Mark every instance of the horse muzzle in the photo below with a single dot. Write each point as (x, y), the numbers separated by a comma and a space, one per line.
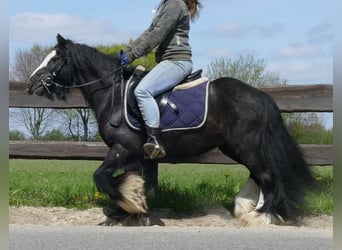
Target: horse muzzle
(39, 86)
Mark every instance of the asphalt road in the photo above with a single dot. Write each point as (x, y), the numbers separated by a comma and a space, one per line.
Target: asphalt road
(29, 237)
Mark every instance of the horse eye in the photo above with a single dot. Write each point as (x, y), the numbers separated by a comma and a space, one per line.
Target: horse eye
(54, 59)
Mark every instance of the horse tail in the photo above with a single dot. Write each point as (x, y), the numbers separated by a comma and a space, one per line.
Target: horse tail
(288, 175)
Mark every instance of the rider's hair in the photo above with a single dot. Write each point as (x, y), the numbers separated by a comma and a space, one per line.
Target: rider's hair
(194, 7)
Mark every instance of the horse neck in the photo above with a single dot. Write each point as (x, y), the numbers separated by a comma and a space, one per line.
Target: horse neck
(96, 66)
(100, 94)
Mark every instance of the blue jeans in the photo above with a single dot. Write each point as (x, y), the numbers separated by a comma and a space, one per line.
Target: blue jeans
(162, 77)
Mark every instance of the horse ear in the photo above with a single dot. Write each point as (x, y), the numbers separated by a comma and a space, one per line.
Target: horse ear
(61, 40)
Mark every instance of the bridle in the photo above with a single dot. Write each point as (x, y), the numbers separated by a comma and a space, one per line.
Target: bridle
(50, 80)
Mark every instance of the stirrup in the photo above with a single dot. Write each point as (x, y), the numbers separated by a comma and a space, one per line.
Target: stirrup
(154, 151)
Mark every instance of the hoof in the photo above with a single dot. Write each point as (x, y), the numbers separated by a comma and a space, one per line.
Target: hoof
(128, 220)
(119, 217)
(243, 206)
(247, 199)
(255, 218)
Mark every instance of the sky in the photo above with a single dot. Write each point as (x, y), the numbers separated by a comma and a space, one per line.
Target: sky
(294, 37)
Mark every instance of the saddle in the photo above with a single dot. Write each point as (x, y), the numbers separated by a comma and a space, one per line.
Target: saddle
(162, 99)
(183, 107)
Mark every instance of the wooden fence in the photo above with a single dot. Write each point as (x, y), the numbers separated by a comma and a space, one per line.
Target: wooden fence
(294, 98)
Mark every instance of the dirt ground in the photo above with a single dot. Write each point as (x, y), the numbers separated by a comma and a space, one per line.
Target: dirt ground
(216, 216)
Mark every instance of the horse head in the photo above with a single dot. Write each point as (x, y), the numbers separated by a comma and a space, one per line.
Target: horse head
(72, 65)
(53, 76)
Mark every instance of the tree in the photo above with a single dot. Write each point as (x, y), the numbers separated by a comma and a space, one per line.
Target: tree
(26, 61)
(80, 123)
(247, 69)
(35, 120)
(147, 61)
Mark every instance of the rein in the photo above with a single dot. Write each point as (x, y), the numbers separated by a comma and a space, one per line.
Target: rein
(47, 83)
(97, 80)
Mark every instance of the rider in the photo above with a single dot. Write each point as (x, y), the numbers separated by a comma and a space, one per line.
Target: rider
(169, 34)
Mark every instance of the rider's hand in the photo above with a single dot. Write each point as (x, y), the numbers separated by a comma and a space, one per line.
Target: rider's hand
(124, 59)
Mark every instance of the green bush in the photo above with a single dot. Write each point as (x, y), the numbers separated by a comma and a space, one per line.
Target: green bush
(16, 136)
(54, 135)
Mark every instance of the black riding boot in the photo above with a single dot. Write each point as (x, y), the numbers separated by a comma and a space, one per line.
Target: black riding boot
(153, 147)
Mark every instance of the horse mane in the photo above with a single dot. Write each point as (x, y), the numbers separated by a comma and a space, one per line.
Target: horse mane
(91, 58)
(83, 60)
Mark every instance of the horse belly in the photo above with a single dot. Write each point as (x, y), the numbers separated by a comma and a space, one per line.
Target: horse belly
(190, 143)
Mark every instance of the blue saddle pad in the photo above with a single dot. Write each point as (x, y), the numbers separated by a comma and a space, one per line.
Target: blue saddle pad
(191, 104)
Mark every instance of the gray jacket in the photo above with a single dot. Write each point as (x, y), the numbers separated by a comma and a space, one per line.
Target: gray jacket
(168, 33)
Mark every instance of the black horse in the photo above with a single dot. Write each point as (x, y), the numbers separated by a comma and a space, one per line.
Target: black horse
(242, 121)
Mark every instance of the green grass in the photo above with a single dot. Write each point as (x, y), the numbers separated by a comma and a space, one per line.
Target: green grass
(52, 183)
(182, 187)
(320, 201)
(188, 187)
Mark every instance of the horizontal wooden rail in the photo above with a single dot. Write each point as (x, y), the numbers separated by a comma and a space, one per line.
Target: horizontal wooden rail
(315, 154)
(290, 98)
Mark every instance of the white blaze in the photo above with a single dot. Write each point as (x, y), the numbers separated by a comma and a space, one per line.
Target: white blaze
(45, 62)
